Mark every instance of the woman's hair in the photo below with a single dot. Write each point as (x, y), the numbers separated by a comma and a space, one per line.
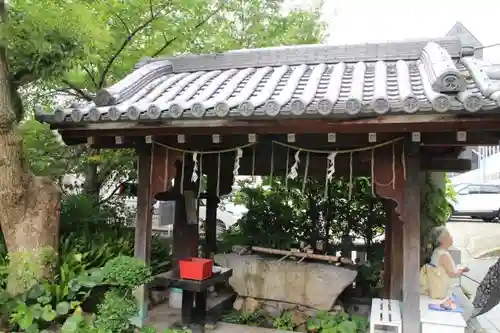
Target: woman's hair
(437, 235)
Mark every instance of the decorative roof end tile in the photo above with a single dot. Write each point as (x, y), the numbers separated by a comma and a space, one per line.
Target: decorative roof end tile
(134, 82)
(442, 72)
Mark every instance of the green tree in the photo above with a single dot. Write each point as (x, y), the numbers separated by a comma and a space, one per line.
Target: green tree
(45, 152)
(130, 30)
(36, 44)
(78, 47)
(282, 216)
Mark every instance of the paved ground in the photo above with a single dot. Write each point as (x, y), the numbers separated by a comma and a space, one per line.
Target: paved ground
(474, 238)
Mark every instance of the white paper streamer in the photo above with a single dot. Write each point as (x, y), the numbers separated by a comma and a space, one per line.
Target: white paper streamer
(194, 176)
(201, 176)
(239, 155)
(286, 167)
(293, 170)
(182, 172)
(306, 171)
(331, 166)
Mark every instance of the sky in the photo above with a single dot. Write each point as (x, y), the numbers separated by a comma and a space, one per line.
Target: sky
(360, 21)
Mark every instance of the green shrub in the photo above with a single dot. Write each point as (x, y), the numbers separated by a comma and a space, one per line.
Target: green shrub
(340, 322)
(51, 301)
(100, 233)
(82, 214)
(115, 312)
(126, 272)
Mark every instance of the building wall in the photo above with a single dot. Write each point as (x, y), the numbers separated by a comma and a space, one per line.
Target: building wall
(487, 159)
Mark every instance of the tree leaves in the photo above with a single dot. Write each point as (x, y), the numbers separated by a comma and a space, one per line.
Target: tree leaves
(42, 43)
(96, 43)
(45, 151)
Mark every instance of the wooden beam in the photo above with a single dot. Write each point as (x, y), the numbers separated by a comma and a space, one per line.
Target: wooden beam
(383, 124)
(411, 241)
(446, 164)
(143, 227)
(305, 140)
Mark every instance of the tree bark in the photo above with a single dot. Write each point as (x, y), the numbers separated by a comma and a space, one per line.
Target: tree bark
(91, 184)
(29, 205)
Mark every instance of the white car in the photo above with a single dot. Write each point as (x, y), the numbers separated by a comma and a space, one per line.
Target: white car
(480, 201)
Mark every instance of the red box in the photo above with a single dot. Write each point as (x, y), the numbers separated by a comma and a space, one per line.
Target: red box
(195, 268)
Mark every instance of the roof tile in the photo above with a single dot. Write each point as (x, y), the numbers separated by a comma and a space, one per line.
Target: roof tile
(435, 80)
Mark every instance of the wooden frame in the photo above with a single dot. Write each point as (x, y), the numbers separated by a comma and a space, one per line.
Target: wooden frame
(405, 225)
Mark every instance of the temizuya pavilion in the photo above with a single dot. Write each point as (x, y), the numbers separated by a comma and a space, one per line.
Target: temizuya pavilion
(390, 110)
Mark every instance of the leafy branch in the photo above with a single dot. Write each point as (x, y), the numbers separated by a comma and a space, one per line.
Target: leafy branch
(124, 44)
(115, 190)
(202, 22)
(79, 91)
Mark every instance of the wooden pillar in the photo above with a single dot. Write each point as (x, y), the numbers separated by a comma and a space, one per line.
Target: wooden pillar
(393, 264)
(399, 182)
(143, 228)
(388, 257)
(397, 258)
(185, 233)
(211, 215)
(389, 179)
(411, 241)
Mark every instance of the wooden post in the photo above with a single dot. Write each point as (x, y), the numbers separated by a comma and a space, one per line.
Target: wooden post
(143, 228)
(411, 241)
(211, 226)
(396, 256)
(393, 266)
(211, 214)
(185, 239)
(388, 257)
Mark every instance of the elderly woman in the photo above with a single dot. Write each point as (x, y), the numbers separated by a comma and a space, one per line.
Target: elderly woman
(441, 258)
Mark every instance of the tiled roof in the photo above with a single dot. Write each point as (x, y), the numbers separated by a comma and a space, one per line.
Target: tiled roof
(320, 81)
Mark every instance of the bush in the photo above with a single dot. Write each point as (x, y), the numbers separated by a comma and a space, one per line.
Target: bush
(94, 234)
(60, 300)
(115, 312)
(101, 232)
(126, 272)
(282, 215)
(82, 214)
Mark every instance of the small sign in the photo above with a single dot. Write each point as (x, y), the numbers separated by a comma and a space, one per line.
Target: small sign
(332, 137)
(149, 139)
(372, 137)
(181, 138)
(290, 137)
(216, 138)
(416, 137)
(119, 140)
(252, 138)
(461, 136)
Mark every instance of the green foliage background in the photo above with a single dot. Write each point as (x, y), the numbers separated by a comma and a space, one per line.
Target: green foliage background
(58, 59)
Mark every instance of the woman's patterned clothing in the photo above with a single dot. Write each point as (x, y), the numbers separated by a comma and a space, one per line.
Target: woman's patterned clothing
(489, 288)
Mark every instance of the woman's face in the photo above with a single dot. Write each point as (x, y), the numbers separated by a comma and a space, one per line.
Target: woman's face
(446, 240)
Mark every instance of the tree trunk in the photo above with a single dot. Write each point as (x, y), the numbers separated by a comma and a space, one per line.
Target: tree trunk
(29, 205)
(92, 184)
